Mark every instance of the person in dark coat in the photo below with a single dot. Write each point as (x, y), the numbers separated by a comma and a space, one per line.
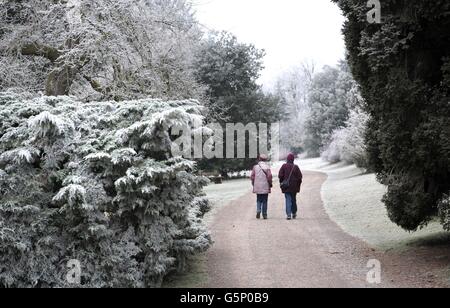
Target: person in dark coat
(292, 173)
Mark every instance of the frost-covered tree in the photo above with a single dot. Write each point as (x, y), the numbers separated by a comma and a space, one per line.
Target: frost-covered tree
(444, 212)
(316, 106)
(348, 144)
(333, 93)
(99, 49)
(96, 182)
(293, 87)
(230, 70)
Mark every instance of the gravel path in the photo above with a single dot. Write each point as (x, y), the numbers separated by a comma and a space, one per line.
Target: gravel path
(309, 252)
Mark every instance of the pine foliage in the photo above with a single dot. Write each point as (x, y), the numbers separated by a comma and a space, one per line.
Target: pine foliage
(96, 182)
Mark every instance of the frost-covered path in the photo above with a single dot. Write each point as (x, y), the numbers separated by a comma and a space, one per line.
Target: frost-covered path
(309, 252)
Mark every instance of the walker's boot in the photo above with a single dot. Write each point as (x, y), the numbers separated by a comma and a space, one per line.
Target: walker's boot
(258, 216)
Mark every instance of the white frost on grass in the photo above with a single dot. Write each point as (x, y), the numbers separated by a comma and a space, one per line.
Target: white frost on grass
(222, 194)
(353, 200)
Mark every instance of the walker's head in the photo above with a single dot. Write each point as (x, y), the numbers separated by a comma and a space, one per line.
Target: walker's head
(263, 157)
(291, 158)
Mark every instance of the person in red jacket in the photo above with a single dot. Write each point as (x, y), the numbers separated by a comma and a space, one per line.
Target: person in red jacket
(292, 176)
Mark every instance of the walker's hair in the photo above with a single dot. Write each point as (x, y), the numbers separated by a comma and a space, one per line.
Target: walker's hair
(263, 157)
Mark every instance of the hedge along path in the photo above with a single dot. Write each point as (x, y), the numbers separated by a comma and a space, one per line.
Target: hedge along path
(309, 252)
(95, 184)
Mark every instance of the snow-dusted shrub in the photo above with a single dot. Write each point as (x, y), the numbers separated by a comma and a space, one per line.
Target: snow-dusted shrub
(444, 212)
(348, 143)
(96, 183)
(333, 152)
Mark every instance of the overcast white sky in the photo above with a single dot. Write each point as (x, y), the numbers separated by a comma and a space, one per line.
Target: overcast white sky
(289, 30)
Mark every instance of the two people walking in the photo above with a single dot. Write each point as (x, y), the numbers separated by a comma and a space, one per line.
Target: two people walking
(291, 179)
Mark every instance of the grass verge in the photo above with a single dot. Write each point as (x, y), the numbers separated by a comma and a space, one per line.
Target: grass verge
(352, 199)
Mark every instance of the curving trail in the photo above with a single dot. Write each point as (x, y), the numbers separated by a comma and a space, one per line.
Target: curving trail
(309, 252)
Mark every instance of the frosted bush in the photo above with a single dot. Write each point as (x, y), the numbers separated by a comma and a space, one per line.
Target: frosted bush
(333, 153)
(348, 143)
(444, 212)
(96, 183)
